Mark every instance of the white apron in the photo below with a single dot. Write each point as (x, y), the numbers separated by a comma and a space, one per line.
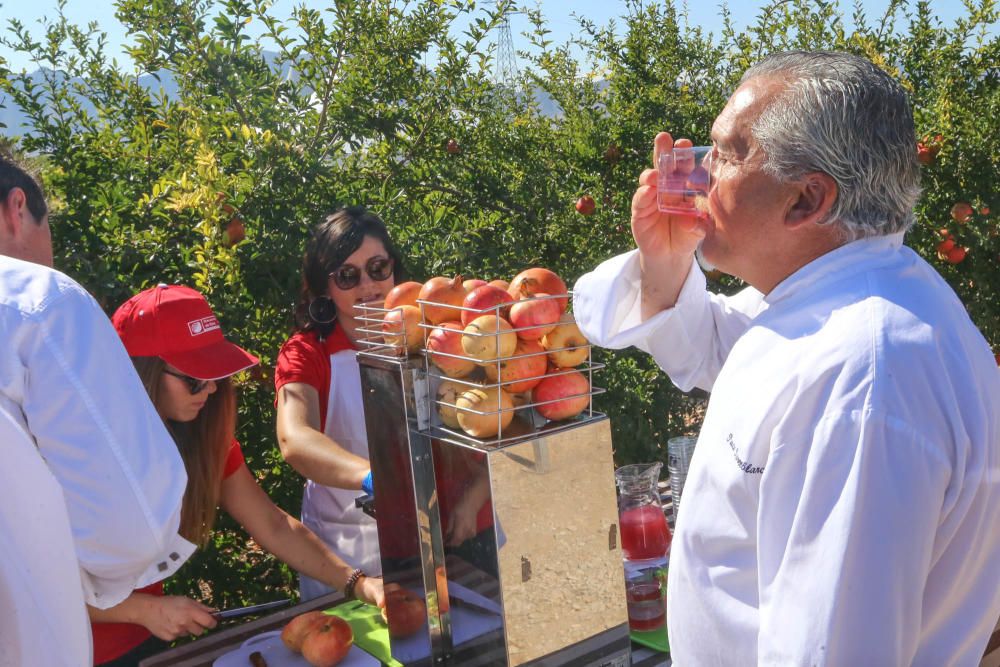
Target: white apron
(330, 512)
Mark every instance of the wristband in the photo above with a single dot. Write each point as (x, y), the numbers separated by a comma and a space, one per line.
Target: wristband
(367, 485)
(352, 582)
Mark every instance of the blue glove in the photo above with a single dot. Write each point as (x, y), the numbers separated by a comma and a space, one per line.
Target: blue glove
(366, 484)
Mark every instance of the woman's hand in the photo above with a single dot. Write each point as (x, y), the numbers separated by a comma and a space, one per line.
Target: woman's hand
(462, 522)
(172, 616)
(370, 590)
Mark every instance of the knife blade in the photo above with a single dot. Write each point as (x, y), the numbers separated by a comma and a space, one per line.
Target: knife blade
(252, 609)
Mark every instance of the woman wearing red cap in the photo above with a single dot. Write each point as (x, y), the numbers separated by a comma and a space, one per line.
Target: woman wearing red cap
(185, 363)
(349, 260)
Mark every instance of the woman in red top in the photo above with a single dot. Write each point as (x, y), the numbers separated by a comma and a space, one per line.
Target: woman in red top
(185, 363)
(350, 260)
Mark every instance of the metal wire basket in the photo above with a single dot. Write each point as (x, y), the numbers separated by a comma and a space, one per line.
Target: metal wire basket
(523, 414)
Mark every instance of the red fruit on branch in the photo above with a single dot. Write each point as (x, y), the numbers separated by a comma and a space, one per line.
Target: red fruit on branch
(585, 205)
(453, 147)
(235, 232)
(612, 154)
(961, 212)
(956, 255)
(945, 246)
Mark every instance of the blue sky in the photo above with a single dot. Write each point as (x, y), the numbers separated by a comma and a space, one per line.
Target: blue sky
(559, 14)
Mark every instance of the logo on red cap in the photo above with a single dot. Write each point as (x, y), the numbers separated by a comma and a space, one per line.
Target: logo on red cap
(203, 325)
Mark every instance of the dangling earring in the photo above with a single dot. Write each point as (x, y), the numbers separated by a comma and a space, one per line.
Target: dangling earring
(322, 310)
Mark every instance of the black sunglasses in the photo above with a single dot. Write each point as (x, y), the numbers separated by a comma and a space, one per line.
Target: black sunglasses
(195, 386)
(347, 276)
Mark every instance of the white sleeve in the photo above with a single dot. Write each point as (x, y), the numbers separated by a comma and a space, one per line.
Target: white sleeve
(846, 522)
(119, 469)
(689, 341)
(40, 591)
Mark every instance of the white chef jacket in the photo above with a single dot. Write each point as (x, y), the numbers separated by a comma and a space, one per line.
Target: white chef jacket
(843, 501)
(40, 593)
(114, 474)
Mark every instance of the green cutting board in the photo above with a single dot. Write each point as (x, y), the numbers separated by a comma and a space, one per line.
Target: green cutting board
(370, 631)
(654, 639)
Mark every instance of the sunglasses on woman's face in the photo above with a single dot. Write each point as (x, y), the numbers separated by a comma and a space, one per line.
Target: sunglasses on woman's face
(348, 276)
(195, 386)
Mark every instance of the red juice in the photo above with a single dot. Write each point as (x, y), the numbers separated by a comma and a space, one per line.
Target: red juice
(646, 607)
(645, 533)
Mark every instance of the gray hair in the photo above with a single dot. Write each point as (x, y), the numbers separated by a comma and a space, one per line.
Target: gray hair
(841, 115)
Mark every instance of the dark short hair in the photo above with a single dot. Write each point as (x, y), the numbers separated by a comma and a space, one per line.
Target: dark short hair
(332, 241)
(14, 174)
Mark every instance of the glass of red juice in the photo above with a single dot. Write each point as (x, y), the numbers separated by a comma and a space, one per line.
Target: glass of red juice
(646, 604)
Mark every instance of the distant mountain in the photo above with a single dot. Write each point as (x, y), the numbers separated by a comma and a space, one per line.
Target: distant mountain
(16, 122)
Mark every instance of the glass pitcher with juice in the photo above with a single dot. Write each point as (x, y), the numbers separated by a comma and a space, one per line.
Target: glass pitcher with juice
(644, 530)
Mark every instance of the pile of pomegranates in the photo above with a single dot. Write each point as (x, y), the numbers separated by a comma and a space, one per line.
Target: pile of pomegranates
(498, 346)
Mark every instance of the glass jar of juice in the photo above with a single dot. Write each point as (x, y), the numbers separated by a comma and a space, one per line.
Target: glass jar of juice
(643, 525)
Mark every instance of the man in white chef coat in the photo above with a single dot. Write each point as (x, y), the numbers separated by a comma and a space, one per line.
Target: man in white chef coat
(843, 502)
(91, 482)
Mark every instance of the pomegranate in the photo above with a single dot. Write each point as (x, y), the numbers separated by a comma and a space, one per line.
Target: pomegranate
(535, 317)
(328, 643)
(294, 633)
(235, 232)
(567, 346)
(493, 401)
(488, 338)
(471, 284)
(956, 255)
(585, 205)
(538, 280)
(448, 392)
(401, 329)
(522, 372)
(447, 338)
(403, 294)
(569, 391)
(502, 284)
(443, 293)
(483, 300)
(962, 212)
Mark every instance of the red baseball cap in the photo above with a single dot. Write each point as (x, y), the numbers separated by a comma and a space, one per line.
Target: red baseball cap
(176, 323)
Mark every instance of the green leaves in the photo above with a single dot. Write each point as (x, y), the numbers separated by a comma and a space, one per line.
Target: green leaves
(357, 103)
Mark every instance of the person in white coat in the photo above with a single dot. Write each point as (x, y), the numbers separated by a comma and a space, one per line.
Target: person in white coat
(91, 483)
(842, 502)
